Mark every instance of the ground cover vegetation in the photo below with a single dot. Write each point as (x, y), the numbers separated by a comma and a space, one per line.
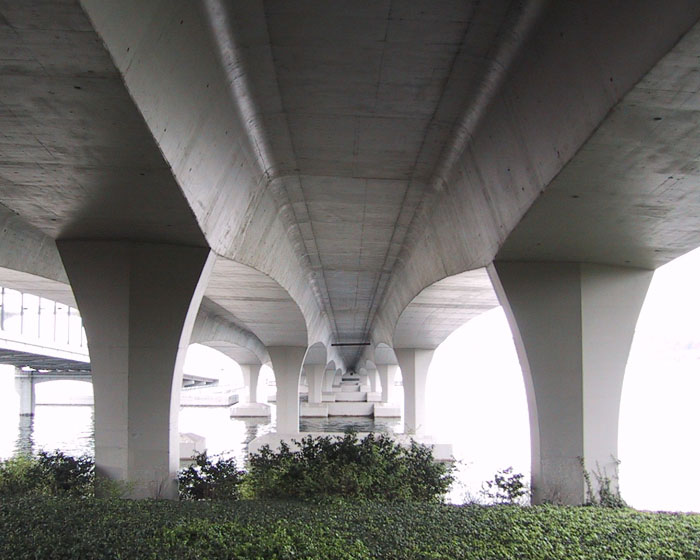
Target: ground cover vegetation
(326, 498)
(63, 528)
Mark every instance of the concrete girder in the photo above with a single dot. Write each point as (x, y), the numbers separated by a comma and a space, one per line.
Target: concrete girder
(241, 102)
(356, 157)
(78, 160)
(573, 326)
(527, 134)
(27, 250)
(208, 124)
(257, 303)
(222, 334)
(442, 308)
(36, 285)
(137, 355)
(635, 178)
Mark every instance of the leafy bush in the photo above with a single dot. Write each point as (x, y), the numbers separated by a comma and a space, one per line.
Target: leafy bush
(64, 474)
(375, 467)
(21, 475)
(48, 473)
(207, 480)
(506, 488)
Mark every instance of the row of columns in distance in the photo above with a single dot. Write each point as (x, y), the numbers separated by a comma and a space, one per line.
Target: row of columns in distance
(572, 324)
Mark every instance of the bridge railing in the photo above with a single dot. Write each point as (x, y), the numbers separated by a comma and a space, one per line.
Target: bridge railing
(33, 318)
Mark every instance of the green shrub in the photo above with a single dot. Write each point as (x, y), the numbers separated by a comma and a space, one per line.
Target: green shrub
(375, 467)
(22, 475)
(210, 480)
(68, 475)
(51, 473)
(506, 488)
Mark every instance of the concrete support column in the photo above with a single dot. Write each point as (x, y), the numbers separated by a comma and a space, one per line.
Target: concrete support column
(138, 302)
(364, 377)
(286, 364)
(573, 326)
(315, 376)
(373, 378)
(24, 386)
(414, 364)
(387, 375)
(250, 372)
(328, 378)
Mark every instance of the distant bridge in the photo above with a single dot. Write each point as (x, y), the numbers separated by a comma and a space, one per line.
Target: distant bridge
(38, 362)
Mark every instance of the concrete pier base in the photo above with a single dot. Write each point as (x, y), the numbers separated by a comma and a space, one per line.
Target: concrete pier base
(350, 409)
(356, 396)
(312, 410)
(385, 410)
(191, 445)
(250, 410)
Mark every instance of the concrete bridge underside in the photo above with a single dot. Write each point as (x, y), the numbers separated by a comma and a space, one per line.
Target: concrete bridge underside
(282, 176)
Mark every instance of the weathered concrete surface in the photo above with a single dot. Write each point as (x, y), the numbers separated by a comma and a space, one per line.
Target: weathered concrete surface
(216, 328)
(442, 308)
(630, 196)
(529, 131)
(573, 327)
(350, 164)
(414, 364)
(347, 154)
(138, 324)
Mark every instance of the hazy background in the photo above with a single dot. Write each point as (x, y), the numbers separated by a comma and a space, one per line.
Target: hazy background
(476, 400)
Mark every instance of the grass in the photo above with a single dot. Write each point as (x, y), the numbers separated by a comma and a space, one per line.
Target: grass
(49, 527)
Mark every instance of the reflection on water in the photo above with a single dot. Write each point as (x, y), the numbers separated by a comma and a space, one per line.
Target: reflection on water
(24, 444)
(354, 423)
(67, 428)
(71, 429)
